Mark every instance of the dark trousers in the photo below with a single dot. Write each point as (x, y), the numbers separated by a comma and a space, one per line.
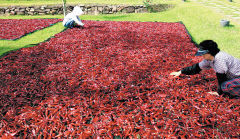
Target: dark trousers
(232, 87)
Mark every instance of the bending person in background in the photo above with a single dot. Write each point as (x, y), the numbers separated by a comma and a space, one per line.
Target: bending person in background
(72, 19)
(227, 68)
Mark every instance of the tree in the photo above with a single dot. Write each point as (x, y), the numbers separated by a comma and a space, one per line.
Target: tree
(147, 2)
(64, 7)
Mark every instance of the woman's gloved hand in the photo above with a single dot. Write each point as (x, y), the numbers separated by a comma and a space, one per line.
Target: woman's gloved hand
(176, 74)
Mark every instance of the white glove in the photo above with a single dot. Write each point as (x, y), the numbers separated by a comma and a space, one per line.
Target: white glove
(213, 93)
(81, 24)
(176, 74)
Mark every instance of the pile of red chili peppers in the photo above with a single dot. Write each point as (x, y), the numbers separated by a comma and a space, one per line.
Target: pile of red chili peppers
(111, 80)
(12, 29)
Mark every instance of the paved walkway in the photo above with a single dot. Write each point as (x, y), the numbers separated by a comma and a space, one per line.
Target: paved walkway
(230, 12)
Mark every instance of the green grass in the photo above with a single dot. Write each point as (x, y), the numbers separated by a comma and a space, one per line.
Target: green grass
(53, 2)
(31, 39)
(231, 7)
(202, 23)
(235, 3)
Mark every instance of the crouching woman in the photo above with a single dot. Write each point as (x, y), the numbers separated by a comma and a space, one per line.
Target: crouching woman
(227, 68)
(72, 19)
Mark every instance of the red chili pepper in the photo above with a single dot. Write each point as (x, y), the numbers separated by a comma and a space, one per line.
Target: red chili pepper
(112, 79)
(15, 28)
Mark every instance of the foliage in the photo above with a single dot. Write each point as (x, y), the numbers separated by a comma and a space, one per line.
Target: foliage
(148, 5)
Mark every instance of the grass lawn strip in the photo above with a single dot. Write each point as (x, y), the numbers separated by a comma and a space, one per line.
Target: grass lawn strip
(30, 40)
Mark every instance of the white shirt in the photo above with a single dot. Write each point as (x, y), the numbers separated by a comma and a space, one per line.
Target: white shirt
(72, 16)
(223, 63)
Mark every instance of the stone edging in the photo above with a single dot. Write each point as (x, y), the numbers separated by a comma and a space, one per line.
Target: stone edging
(88, 9)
